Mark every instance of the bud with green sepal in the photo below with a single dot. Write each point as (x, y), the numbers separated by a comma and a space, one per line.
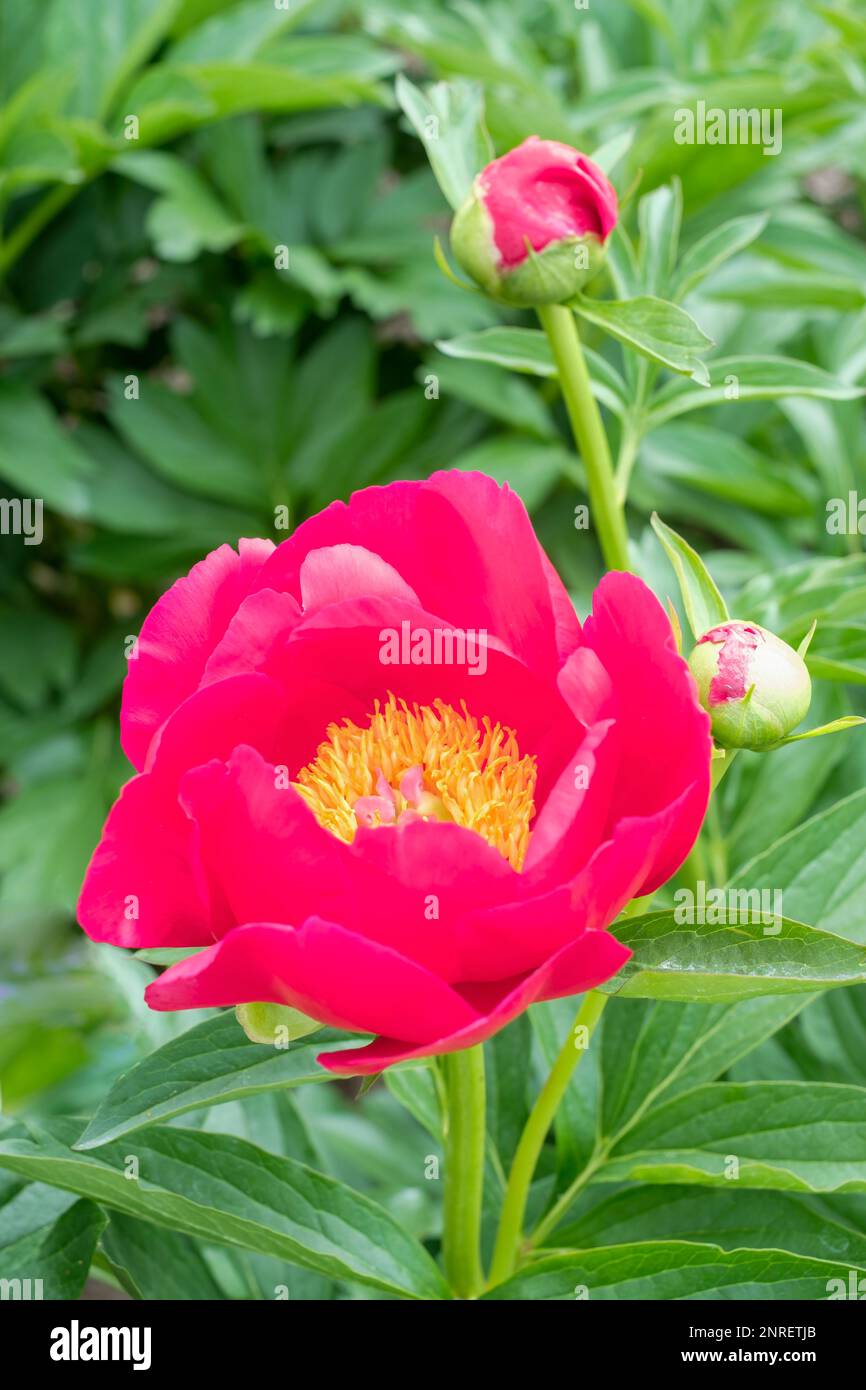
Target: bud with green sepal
(274, 1024)
(755, 688)
(534, 227)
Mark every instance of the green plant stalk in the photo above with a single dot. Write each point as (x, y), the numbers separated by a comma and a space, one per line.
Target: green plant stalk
(510, 1233)
(464, 1170)
(607, 511)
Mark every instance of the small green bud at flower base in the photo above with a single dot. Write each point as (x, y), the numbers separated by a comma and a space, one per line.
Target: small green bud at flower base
(274, 1024)
(755, 688)
(534, 227)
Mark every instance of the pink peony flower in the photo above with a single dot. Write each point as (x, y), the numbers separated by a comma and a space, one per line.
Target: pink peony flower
(385, 777)
(534, 227)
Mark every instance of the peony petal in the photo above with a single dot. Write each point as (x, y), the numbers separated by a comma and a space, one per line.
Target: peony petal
(322, 969)
(141, 887)
(178, 636)
(664, 734)
(521, 935)
(406, 886)
(590, 960)
(262, 620)
(339, 572)
(346, 645)
(463, 544)
(576, 813)
(149, 848)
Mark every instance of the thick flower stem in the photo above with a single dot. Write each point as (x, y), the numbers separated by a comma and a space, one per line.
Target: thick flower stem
(606, 507)
(510, 1233)
(464, 1170)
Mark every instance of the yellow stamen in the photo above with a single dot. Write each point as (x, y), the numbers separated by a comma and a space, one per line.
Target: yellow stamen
(473, 773)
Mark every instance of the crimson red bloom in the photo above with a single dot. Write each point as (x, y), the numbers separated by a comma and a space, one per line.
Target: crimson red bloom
(385, 777)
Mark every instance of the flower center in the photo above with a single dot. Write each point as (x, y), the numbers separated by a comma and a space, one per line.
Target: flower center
(431, 762)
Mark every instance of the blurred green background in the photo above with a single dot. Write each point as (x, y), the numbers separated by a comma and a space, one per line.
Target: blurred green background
(221, 308)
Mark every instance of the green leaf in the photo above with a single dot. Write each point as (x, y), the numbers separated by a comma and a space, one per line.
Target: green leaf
(416, 1089)
(652, 1051)
(672, 1269)
(759, 283)
(36, 457)
(734, 379)
(704, 605)
(511, 399)
(779, 793)
(839, 652)
(613, 151)
(188, 218)
(59, 1255)
(166, 955)
(712, 250)
(449, 121)
(208, 1065)
(519, 349)
(527, 350)
(238, 35)
(737, 960)
(820, 869)
(790, 1136)
(181, 446)
(813, 1227)
(152, 1263)
(102, 47)
(655, 328)
(229, 1192)
(848, 721)
(659, 217)
(718, 464)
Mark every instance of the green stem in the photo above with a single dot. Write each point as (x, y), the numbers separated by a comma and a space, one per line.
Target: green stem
(464, 1170)
(608, 516)
(510, 1233)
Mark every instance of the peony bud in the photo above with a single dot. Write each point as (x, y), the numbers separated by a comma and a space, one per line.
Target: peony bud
(755, 687)
(533, 229)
